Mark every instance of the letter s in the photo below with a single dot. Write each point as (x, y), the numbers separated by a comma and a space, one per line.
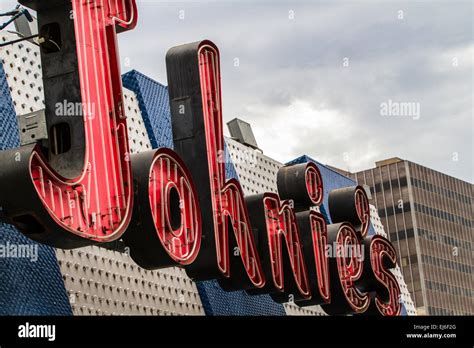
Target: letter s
(379, 279)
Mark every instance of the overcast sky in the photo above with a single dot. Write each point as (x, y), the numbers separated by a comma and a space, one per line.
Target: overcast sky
(317, 78)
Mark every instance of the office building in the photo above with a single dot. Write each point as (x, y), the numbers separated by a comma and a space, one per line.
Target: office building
(427, 216)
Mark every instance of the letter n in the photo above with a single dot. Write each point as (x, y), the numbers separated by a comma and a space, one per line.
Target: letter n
(280, 247)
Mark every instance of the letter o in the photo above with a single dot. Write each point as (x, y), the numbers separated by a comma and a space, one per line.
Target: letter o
(166, 223)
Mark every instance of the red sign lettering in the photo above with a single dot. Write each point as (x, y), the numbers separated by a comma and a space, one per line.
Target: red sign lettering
(183, 212)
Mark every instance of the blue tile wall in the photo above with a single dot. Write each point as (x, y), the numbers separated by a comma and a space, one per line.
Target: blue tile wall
(153, 101)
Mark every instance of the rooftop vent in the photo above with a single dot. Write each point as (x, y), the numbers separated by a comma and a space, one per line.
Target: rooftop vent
(242, 132)
(388, 161)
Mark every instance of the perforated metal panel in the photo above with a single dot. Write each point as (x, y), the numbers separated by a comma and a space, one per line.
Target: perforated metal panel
(137, 132)
(405, 294)
(23, 72)
(101, 281)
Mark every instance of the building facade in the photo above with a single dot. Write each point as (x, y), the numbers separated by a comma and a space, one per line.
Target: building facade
(427, 216)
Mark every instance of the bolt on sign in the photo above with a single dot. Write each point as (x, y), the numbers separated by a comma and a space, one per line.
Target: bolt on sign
(176, 208)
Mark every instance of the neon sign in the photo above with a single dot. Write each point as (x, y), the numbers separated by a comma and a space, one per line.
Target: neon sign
(176, 208)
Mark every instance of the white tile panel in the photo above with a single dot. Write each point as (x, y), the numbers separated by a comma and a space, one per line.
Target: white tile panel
(137, 133)
(405, 294)
(23, 73)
